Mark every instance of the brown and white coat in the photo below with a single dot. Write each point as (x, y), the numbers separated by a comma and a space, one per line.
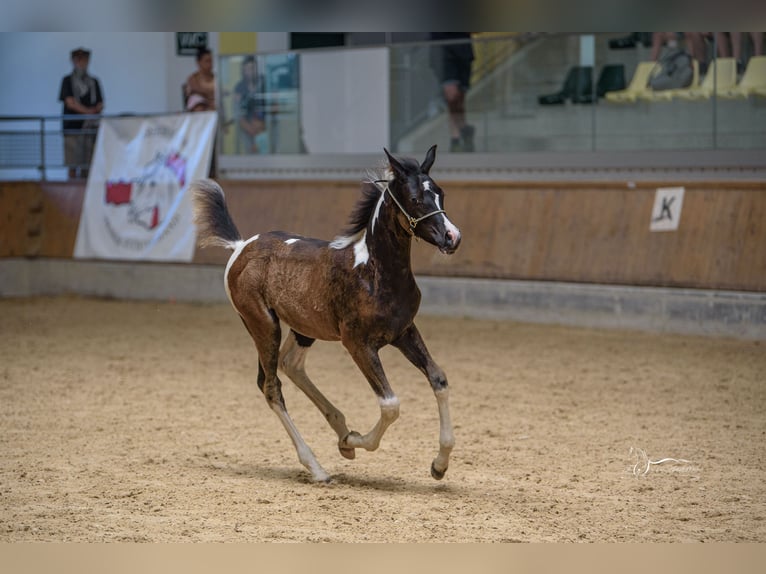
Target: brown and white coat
(358, 289)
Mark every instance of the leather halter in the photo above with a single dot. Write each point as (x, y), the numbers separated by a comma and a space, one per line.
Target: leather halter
(413, 221)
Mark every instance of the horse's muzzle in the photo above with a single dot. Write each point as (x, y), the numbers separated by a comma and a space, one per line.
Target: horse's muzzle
(451, 240)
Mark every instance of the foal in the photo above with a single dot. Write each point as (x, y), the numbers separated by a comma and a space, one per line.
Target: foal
(358, 289)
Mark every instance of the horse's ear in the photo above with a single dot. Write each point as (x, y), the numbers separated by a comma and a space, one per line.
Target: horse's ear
(425, 167)
(397, 168)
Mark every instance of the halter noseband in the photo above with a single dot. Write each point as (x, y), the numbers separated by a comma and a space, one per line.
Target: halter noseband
(413, 221)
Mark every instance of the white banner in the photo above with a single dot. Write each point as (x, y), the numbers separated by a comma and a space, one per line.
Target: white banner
(136, 205)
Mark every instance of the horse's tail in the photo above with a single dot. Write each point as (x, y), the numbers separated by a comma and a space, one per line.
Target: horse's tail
(214, 224)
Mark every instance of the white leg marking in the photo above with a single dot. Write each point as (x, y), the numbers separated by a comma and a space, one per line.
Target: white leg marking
(305, 454)
(292, 360)
(446, 437)
(389, 412)
(238, 247)
(361, 254)
(291, 241)
(389, 403)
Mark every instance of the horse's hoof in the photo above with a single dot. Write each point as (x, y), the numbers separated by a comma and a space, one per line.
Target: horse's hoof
(349, 453)
(322, 479)
(343, 443)
(437, 474)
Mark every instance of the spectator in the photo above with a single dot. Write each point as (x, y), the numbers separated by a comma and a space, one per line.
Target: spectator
(725, 50)
(452, 65)
(81, 94)
(199, 90)
(694, 41)
(202, 82)
(249, 109)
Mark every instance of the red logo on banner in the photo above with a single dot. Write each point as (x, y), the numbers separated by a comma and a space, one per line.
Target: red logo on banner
(150, 195)
(118, 192)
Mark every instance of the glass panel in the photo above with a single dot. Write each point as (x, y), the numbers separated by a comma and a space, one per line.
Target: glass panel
(549, 85)
(528, 93)
(510, 75)
(260, 104)
(741, 122)
(637, 117)
(740, 112)
(322, 102)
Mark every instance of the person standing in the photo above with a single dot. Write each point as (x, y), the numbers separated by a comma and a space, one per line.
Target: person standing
(452, 65)
(249, 108)
(81, 94)
(202, 82)
(199, 89)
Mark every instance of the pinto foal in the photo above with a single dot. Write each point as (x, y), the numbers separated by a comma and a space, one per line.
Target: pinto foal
(358, 289)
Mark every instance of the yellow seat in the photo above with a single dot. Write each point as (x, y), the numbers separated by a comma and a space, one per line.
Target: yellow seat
(753, 81)
(721, 76)
(667, 95)
(637, 86)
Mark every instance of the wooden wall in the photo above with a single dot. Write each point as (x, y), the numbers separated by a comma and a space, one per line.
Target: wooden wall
(582, 232)
(39, 219)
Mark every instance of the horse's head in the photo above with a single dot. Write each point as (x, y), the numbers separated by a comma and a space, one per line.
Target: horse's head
(421, 202)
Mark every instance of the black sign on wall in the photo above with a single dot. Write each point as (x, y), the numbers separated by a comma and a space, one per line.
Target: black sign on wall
(187, 43)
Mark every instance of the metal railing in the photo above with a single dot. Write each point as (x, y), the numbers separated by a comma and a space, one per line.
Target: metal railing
(34, 147)
(37, 144)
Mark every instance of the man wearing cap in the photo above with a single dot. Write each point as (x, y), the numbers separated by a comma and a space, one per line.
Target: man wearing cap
(81, 95)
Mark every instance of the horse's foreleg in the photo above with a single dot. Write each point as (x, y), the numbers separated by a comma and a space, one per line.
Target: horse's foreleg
(369, 363)
(412, 346)
(292, 360)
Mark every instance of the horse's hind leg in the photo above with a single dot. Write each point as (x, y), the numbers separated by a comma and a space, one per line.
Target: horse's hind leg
(264, 328)
(412, 346)
(292, 360)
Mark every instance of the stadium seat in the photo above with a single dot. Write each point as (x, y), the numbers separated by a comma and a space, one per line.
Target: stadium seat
(637, 86)
(667, 95)
(721, 76)
(753, 80)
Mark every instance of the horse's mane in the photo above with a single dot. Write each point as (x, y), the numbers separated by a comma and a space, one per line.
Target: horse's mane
(372, 187)
(362, 212)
